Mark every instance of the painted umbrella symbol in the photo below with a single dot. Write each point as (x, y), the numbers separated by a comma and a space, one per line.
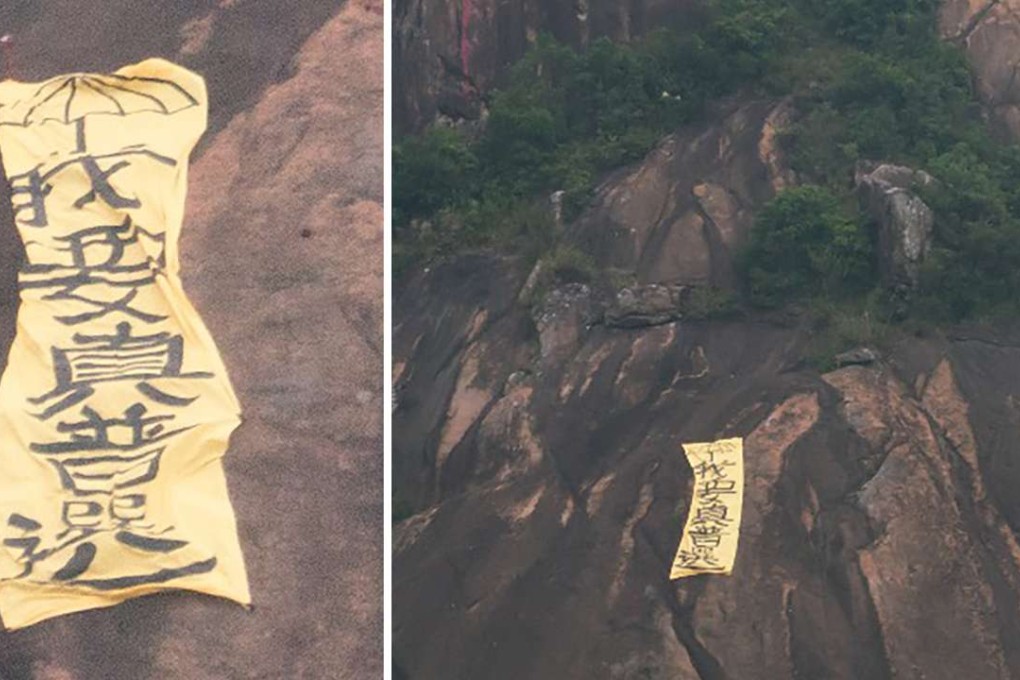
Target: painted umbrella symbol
(72, 99)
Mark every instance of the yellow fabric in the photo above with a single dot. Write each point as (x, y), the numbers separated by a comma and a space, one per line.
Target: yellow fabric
(709, 542)
(115, 407)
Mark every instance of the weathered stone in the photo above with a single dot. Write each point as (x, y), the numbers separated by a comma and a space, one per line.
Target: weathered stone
(905, 222)
(562, 318)
(448, 54)
(556, 204)
(680, 215)
(861, 356)
(989, 32)
(651, 305)
(910, 502)
(874, 532)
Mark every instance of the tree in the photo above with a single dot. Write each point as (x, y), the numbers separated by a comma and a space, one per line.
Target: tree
(804, 244)
(437, 169)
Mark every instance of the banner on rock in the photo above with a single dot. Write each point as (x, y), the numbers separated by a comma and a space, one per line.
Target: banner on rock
(709, 541)
(115, 406)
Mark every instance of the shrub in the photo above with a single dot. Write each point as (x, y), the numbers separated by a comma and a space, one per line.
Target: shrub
(706, 302)
(564, 117)
(432, 171)
(842, 327)
(872, 80)
(803, 243)
(870, 22)
(566, 264)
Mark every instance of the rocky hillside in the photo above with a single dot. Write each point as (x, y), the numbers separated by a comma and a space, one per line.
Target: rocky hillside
(282, 256)
(537, 432)
(987, 30)
(448, 54)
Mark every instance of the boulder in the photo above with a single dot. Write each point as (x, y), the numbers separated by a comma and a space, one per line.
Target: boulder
(989, 32)
(651, 305)
(905, 222)
(861, 356)
(562, 318)
(681, 213)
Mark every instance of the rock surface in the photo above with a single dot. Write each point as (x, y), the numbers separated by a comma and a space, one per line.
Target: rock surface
(638, 306)
(880, 517)
(282, 256)
(562, 318)
(449, 53)
(680, 215)
(879, 520)
(989, 31)
(905, 223)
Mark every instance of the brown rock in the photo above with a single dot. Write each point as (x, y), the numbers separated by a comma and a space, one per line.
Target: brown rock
(910, 501)
(466, 405)
(876, 542)
(989, 31)
(680, 215)
(562, 318)
(639, 306)
(756, 646)
(905, 223)
(448, 54)
(770, 151)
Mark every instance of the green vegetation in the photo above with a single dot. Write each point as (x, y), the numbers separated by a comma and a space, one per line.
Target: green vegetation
(706, 302)
(561, 265)
(568, 265)
(839, 326)
(889, 89)
(564, 118)
(870, 81)
(804, 244)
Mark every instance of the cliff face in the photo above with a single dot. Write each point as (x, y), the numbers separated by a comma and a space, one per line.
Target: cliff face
(537, 445)
(989, 31)
(282, 257)
(879, 527)
(447, 54)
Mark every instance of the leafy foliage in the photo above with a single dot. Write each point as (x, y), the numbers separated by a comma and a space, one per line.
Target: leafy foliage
(803, 244)
(911, 100)
(871, 81)
(430, 172)
(872, 22)
(565, 117)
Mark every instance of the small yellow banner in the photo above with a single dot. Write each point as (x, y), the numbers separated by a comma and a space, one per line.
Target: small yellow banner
(115, 407)
(709, 542)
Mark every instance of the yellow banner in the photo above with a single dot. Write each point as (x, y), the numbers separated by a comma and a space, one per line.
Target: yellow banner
(709, 542)
(115, 407)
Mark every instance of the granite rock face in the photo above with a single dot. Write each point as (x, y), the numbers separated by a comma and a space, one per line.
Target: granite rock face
(880, 519)
(282, 256)
(448, 53)
(651, 305)
(879, 532)
(680, 215)
(989, 31)
(905, 222)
